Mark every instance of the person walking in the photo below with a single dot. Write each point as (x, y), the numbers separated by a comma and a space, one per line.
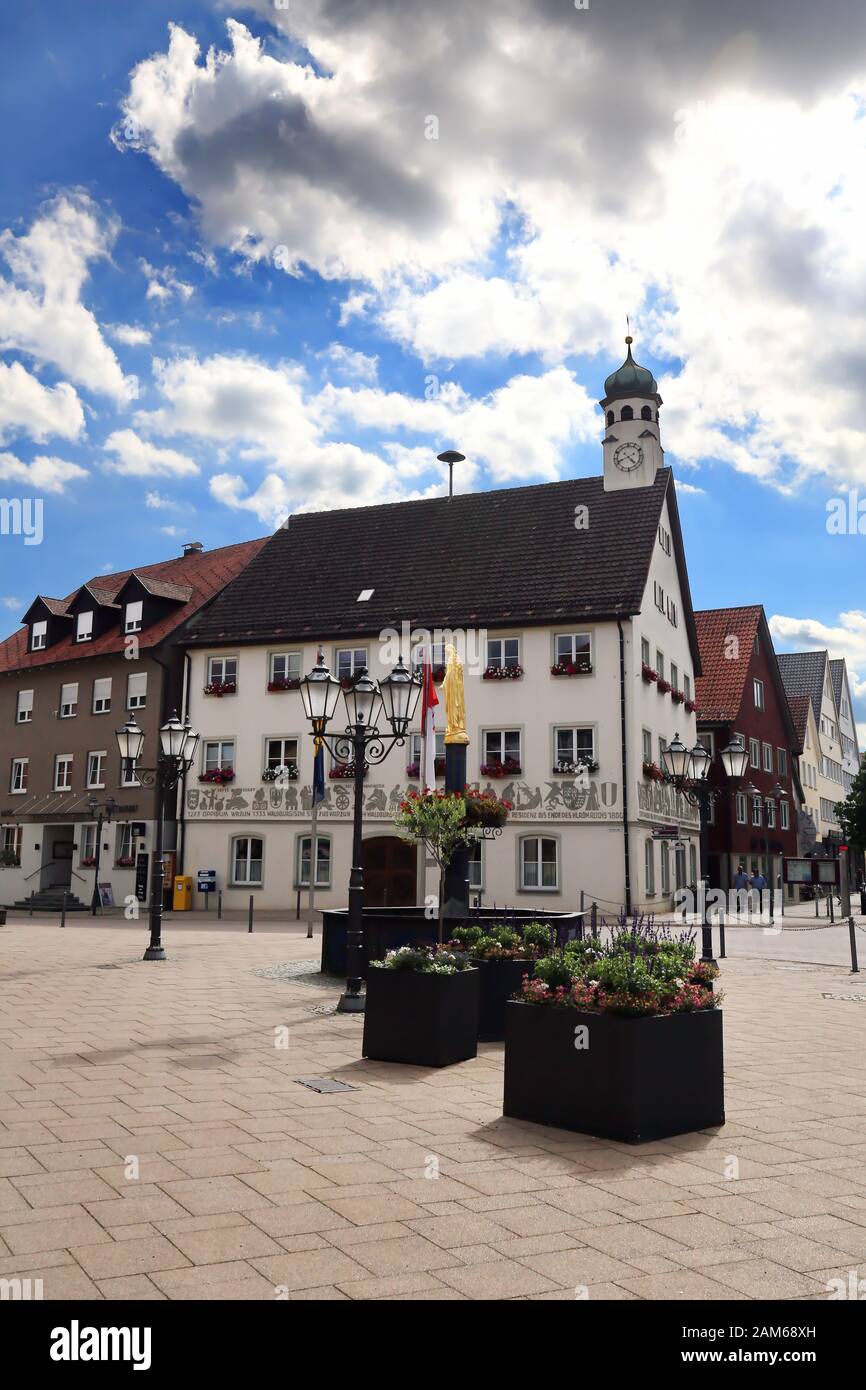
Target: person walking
(758, 884)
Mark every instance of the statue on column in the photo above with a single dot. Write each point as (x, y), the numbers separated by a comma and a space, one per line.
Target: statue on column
(455, 698)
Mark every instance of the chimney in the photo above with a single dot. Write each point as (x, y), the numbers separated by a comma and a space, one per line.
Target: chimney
(193, 548)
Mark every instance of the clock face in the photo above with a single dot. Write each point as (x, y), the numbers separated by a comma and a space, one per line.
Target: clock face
(628, 457)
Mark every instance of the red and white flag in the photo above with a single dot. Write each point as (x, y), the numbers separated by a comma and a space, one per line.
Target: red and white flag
(429, 701)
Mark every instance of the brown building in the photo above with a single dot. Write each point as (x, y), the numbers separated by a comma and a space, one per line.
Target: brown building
(68, 680)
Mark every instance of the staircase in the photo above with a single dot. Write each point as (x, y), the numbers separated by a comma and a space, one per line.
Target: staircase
(51, 900)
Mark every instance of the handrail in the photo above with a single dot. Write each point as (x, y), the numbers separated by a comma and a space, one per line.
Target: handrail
(77, 875)
(35, 871)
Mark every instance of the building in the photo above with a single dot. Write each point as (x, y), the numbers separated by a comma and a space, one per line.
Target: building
(847, 727)
(741, 694)
(808, 763)
(569, 604)
(68, 679)
(809, 674)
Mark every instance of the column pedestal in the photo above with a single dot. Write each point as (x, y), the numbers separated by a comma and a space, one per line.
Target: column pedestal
(457, 873)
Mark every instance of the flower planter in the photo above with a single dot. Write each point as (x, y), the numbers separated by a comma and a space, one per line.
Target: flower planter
(284, 683)
(502, 673)
(220, 688)
(421, 1018)
(571, 668)
(648, 674)
(663, 686)
(509, 768)
(635, 1079)
(498, 980)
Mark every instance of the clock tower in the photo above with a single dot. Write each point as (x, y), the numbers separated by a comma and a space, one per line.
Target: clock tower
(632, 445)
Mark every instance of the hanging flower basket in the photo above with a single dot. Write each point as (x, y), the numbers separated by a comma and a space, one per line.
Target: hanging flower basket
(220, 688)
(581, 667)
(502, 673)
(653, 772)
(485, 810)
(663, 686)
(509, 767)
(285, 683)
(287, 771)
(218, 775)
(342, 772)
(677, 696)
(648, 674)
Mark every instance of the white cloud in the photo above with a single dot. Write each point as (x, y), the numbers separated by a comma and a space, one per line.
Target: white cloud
(350, 364)
(44, 474)
(157, 502)
(28, 407)
(170, 530)
(11, 603)
(139, 458)
(129, 334)
(846, 639)
(41, 311)
(163, 285)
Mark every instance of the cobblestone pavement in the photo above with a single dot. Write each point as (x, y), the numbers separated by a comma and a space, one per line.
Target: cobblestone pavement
(155, 1143)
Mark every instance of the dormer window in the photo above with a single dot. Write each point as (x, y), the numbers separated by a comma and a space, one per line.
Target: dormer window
(133, 618)
(84, 627)
(38, 636)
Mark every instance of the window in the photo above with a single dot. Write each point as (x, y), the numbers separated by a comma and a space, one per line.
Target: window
(647, 739)
(323, 861)
(69, 700)
(102, 695)
(128, 774)
(219, 754)
(133, 617)
(664, 537)
(646, 412)
(665, 850)
(125, 846)
(281, 752)
(476, 867)
(784, 815)
(771, 814)
(626, 413)
(87, 843)
(660, 664)
(758, 690)
(574, 744)
(610, 417)
(84, 626)
(711, 810)
(415, 747)
(38, 636)
(222, 670)
(645, 652)
(680, 866)
(20, 774)
(687, 687)
(136, 690)
(663, 743)
(768, 758)
(742, 818)
(675, 676)
(96, 769)
(24, 709)
(757, 803)
(672, 613)
(754, 753)
(285, 666)
(539, 863)
(707, 739)
(63, 772)
(649, 866)
(10, 841)
(658, 596)
(503, 652)
(573, 649)
(350, 662)
(502, 744)
(247, 859)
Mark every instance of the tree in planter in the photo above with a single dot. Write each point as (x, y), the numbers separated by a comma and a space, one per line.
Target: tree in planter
(435, 820)
(851, 813)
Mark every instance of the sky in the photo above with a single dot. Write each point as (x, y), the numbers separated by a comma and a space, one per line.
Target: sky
(263, 258)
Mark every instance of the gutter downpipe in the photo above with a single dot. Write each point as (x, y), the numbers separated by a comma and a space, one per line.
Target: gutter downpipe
(622, 717)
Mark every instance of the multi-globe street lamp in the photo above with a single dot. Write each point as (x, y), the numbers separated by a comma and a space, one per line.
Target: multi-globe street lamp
(395, 695)
(687, 769)
(176, 752)
(103, 811)
(773, 798)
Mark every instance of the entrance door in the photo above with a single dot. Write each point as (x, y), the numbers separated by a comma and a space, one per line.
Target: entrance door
(58, 848)
(390, 872)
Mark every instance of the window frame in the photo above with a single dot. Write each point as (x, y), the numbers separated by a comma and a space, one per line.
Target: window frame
(572, 638)
(69, 708)
(758, 693)
(220, 743)
(246, 882)
(504, 662)
(539, 840)
(24, 709)
(302, 883)
(68, 760)
(501, 730)
(133, 623)
(356, 666)
(99, 680)
(102, 755)
(86, 634)
(140, 700)
(39, 631)
(24, 765)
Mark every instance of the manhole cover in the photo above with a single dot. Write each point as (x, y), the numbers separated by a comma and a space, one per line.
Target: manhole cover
(325, 1085)
(846, 998)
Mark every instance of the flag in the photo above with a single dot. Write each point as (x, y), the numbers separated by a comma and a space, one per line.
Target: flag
(318, 772)
(429, 701)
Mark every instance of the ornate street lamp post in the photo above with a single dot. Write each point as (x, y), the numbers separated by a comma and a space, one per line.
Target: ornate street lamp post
(396, 695)
(687, 769)
(176, 752)
(105, 810)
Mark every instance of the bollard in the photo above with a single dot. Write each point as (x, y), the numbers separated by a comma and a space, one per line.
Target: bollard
(298, 907)
(250, 927)
(63, 911)
(593, 918)
(721, 936)
(830, 906)
(852, 936)
(863, 902)
(220, 905)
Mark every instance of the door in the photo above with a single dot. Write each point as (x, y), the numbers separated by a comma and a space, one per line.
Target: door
(58, 848)
(390, 872)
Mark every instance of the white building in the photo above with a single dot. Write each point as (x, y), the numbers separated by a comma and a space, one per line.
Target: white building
(827, 763)
(576, 591)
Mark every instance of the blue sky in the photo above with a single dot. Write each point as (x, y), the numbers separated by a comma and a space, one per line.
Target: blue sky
(289, 295)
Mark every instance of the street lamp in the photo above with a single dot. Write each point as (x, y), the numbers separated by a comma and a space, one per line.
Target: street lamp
(688, 770)
(774, 797)
(176, 752)
(366, 700)
(105, 810)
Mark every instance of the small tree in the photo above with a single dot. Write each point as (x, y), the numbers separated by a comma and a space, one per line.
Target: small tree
(436, 820)
(851, 812)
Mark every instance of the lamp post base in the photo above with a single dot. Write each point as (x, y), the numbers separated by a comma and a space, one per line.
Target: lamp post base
(154, 953)
(352, 1004)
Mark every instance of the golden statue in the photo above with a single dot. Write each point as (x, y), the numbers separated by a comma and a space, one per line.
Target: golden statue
(455, 698)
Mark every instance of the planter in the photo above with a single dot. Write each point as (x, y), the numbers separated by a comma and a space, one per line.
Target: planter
(498, 980)
(637, 1079)
(421, 1018)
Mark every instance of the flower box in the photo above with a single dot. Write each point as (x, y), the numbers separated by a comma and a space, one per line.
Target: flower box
(566, 768)
(9, 862)
(677, 696)
(627, 1079)
(690, 706)
(663, 686)
(342, 772)
(285, 683)
(509, 768)
(218, 776)
(502, 673)
(88, 863)
(289, 772)
(421, 1018)
(648, 674)
(221, 688)
(571, 668)
(653, 772)
(127, 862)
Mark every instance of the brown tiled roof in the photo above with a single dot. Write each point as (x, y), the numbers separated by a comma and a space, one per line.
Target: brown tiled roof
(799, 707)
(160, 588)
(199, 576)
(478, 559)
(724, 662)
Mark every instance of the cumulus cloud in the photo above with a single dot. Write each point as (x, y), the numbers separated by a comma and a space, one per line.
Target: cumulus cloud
(28, 407)
(43, 474)
(129, 334)
(163, 284)
(140, 458)
(350, 364)
(41, 309)
(845, 639)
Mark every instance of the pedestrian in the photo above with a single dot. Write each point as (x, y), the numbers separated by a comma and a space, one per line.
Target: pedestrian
(741, 878)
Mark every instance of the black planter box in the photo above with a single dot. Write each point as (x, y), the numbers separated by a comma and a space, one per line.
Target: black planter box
(639, 1078)
(419, 1017)
(498, 980)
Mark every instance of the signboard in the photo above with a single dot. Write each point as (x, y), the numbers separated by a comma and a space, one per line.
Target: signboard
(141, 877)
(823, 871)
(666, 832)
(106, 895)
(206, 881)
(828, 870)
(798, 870)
